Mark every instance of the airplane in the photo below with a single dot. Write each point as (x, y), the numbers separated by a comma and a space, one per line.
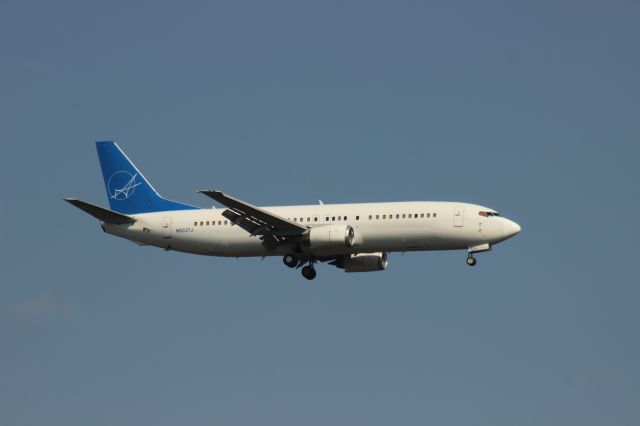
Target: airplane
(352, 237)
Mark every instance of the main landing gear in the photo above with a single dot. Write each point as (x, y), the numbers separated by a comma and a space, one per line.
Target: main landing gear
(309, 272)
(471, 261)
(292, 261)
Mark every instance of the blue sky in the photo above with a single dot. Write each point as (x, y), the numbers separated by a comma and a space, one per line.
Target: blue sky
(530, 108)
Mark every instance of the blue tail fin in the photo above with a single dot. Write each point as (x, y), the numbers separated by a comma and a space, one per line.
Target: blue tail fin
(128, 190)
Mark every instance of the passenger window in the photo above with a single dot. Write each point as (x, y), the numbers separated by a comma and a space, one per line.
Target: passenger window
(201, 223)
(339, 218)
(434, 215)
(333, 219)
(384, 216)
(421, 215)
(377, 216)
(404, 216)
(207, 223)
(357, 217)
(397, 216)
(315, 219)
(345, 218)
(225, 222)
(428, 214)
(308, 219)
(326, 219)
(295, 219)
(195, 223)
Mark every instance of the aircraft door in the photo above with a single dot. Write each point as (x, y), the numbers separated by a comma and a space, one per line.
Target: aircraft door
(458, 217)
(166, 227)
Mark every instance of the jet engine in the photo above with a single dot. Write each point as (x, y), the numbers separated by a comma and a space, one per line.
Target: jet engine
(365, 262)
(328, 238)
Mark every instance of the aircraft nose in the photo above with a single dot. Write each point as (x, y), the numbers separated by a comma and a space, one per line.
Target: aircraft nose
(511, 228)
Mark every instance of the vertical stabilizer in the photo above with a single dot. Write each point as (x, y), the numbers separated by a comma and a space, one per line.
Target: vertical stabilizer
(128, 190)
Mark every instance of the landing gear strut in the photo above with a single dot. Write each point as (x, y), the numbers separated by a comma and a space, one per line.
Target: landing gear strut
(471, 261)
(290, 260)
(309, 272)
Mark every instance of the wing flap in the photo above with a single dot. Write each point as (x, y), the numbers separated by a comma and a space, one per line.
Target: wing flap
(253, 219)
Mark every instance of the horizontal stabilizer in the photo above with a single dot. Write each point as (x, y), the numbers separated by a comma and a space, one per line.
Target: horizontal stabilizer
(101, 213)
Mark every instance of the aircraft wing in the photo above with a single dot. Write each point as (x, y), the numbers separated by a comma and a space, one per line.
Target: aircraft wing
(255, 220)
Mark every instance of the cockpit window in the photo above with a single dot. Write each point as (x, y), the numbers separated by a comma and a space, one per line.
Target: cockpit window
(488, 214)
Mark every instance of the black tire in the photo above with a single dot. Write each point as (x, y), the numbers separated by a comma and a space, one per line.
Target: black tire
(308, 272)
(290, 260)
(471, 261)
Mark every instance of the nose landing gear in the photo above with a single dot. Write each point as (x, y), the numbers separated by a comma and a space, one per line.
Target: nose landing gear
(471, 261)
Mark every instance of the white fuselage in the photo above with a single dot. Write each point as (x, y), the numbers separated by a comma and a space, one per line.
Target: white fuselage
(379, 227)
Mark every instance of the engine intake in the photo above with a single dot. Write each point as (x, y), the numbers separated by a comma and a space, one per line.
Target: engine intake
(328, 237)
(365, 262)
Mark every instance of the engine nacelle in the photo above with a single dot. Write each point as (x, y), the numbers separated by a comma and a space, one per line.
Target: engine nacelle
(365, 262)
(328, 237)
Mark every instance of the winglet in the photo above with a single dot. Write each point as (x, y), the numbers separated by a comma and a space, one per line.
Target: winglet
(100, 213)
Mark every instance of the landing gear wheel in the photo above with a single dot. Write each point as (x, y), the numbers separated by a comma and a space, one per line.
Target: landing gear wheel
(471, 261)
(309, 272)
(290, 260)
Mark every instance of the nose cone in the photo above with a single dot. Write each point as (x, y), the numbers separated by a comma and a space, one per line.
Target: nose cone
(510, 228)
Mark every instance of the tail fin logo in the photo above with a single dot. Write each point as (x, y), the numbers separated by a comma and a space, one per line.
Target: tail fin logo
(122, 185)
